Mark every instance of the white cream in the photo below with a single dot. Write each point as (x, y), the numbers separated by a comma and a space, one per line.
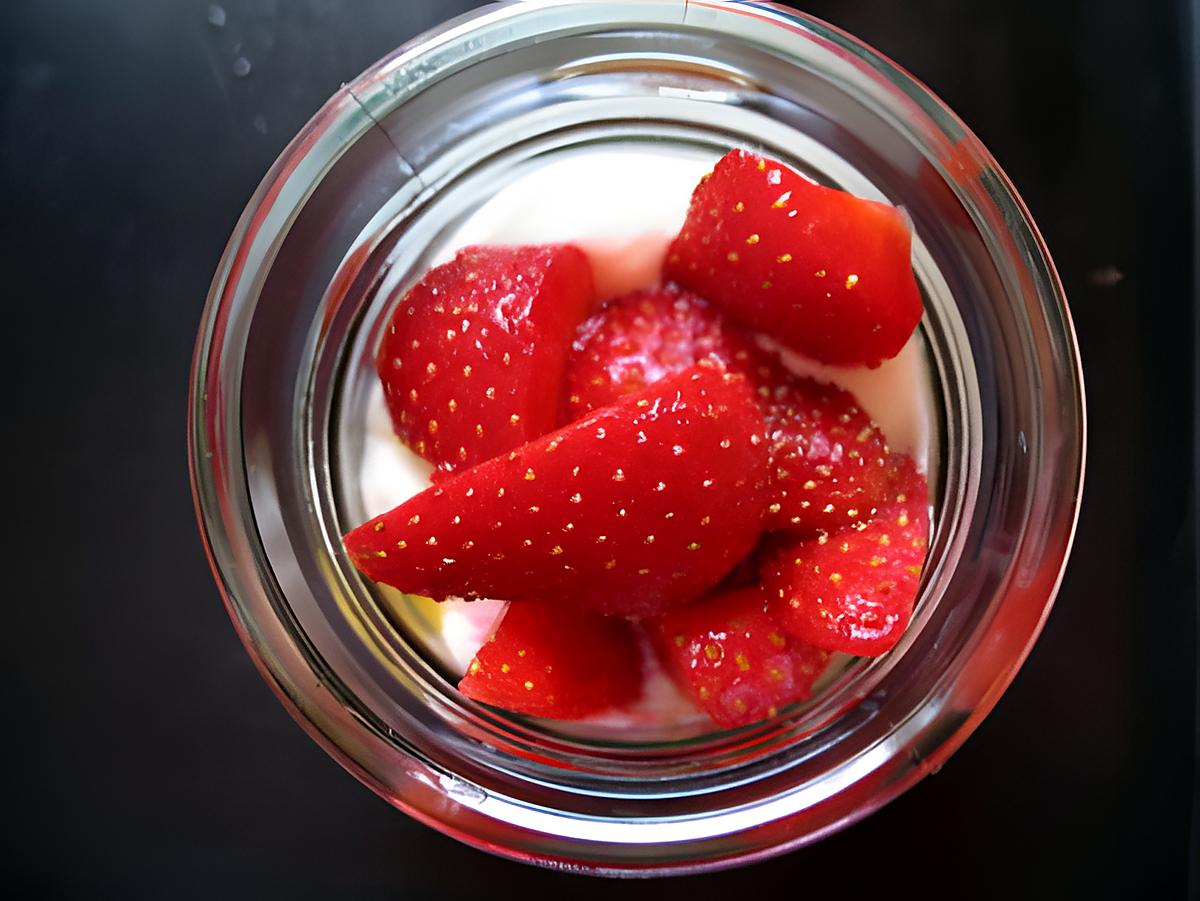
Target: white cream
(622, 207)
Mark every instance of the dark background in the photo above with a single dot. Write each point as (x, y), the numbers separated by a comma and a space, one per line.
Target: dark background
(146, 758)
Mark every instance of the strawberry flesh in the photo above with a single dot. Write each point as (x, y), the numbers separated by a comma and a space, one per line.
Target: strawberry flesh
(853, 591)
(555, 661)
(472, 359)
(637, 339)
(733, 659)
(638, 507)
(826, 273)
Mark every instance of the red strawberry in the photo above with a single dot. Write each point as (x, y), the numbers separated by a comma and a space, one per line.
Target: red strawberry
(853, 591)
(640, 338)
(827, 273)
(555, 661)
(472, 359)
(733, 659)
(828, 459)
(639, 506)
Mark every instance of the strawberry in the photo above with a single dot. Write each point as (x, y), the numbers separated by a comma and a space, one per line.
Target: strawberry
(854, 590)
(733, 659)
(828, 459)
(826, 273)
(472, 358)
(637, 339)
(640, 506)
(556, 661)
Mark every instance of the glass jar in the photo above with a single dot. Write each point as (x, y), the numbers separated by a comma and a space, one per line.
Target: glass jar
(355, 204)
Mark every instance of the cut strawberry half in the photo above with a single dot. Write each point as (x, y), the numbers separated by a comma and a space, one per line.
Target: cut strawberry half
(555, 661)
(638, 507)
(472, 359)
(642, 337)
(733, 659)
(854, 590)
(829, 461)
(826, 273)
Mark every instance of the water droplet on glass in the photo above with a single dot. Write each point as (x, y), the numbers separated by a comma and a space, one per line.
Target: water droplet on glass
(260, 124)
(216, 15)
(241, 67)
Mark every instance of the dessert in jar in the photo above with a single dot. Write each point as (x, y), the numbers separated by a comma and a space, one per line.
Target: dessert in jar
(367, 203)
(588, 287)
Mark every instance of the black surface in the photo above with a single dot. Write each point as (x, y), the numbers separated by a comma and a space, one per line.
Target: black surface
(146, 756)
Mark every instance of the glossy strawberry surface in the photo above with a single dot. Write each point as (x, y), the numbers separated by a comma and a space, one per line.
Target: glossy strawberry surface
(826, 273)
(854, 590)
(637, 339)
(638, 507)
(552, 660)
(733, 659)
(827, 456)
(829, 461)
(472, 359)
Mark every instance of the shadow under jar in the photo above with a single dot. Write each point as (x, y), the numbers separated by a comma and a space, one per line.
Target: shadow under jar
(360, 203)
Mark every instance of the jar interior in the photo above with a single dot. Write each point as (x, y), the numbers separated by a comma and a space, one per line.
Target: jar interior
(441, 227)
